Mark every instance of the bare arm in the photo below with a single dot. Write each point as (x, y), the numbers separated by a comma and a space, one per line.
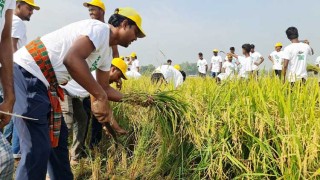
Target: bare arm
(6, 70)
(220, 65)
(103, 79)
(79, 71)
(15, 44)
(285, 67)
(138, 68)
(206, 68)
(270, 58)
(115, 52)
(260, 62)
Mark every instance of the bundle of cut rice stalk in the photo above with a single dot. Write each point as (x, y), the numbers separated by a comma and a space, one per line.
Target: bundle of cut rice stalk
(166, 105)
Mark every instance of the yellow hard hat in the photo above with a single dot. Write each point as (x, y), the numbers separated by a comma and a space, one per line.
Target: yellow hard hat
(134, 16)
(31, 3)
(279, 44)
(215, 50)
(133, 54)
(121, 65)
(97, 3)
(177, 67)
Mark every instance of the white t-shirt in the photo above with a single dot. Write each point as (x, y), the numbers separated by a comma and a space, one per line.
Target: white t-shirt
(256, 58)
(245, 66)
(4, 6)
(170, 74)
(318, 61)
(19, 31)
(202, 66)
(135, 65)
(215, 63)
(133, 74)
(297, 54)
(229, 68)
(277, 60)
(76, 90)
(59, 42)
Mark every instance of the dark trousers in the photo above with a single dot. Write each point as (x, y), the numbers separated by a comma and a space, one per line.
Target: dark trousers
(37, 155)
(278, 73)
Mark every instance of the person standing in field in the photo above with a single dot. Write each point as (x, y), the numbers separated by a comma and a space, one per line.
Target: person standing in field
(135, 63)
(71, 52)
(216, 63)
(202, 65)
(245, 62)
(6, 77)
(257, 59)
(23, 12)
(276, 57)
(295, 57)
(234, 60)
(228, 70)
(97, 11)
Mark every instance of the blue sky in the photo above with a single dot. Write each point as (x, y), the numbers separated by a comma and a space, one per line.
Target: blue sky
(182, 28)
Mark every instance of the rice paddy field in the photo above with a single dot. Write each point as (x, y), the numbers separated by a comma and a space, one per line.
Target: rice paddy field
(255, 129)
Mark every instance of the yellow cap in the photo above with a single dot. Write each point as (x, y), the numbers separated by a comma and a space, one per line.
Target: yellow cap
(31, 3)
(97, 3)
(177, 67)
(215, 50)
(134, 16)
(133, 54)
(121, 65)
(279, 44)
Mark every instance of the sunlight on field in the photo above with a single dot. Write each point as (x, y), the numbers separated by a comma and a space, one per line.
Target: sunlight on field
(236, 129)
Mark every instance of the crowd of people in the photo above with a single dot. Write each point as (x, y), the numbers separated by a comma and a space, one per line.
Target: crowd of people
(289, 64)
(55, 83)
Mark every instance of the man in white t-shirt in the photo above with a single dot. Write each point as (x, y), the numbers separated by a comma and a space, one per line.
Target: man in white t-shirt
(23, 12)
(276, 57)
(295, 57)
(245, 62)
(168, 74)
(228, 69)
(257, 59)
(135, 63)
(202, 65)
(216, 63)
(71, 52)
(80, 112)
(6, 77)
(234, 60)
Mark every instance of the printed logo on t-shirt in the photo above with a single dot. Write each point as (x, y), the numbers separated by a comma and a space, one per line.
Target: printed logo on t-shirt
(94, 65)
(301, 56)
(2, 2)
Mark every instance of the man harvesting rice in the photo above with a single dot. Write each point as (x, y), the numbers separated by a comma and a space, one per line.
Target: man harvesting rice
(81, 111)
(168, 74)
(228, 70)
(6, 51)
(295, 57)
(41, 66)
(276, 57)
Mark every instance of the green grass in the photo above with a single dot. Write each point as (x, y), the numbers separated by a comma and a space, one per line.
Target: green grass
(237, 129)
